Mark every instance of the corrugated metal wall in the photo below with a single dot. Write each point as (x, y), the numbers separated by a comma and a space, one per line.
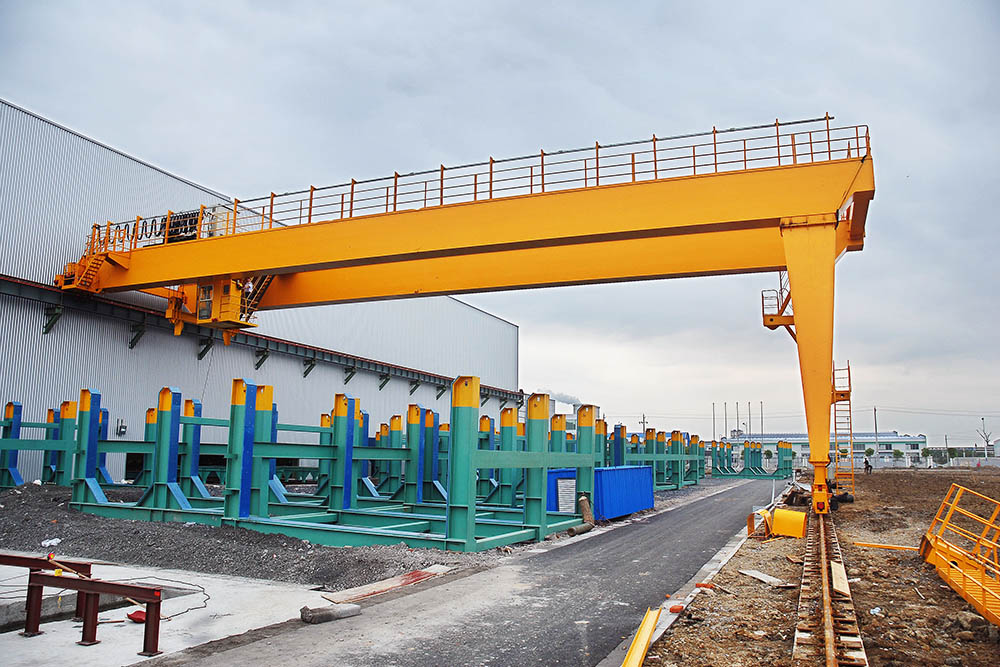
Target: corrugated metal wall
(54, 183)
(436, 334)
(92, 352)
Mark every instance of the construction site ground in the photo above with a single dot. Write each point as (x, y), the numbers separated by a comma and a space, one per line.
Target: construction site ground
(569, 600)
(906, 613)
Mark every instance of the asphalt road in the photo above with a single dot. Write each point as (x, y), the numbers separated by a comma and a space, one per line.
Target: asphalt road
(570, 605)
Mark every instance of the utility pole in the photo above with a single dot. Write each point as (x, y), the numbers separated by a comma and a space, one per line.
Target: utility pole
(644, 424)
(875, 412)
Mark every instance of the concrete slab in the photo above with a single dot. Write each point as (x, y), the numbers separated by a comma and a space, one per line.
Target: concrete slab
(232, 605)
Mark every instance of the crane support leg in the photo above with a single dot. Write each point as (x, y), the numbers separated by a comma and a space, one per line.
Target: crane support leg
(811, 253)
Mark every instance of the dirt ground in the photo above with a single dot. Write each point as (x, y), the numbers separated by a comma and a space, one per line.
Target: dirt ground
(31, 514)
(919, 620)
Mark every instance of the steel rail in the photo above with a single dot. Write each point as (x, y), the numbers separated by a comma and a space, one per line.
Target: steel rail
(827, 629)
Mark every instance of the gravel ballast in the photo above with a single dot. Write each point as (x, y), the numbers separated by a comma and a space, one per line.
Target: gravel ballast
(32, 514)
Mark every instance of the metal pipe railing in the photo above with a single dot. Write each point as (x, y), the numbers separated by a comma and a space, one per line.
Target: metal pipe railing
(777, 144)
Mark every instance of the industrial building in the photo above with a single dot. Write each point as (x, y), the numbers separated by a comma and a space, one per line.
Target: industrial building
(55, 183)
(884, 443)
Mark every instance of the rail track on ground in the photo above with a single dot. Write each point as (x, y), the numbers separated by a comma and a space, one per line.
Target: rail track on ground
(827, 628)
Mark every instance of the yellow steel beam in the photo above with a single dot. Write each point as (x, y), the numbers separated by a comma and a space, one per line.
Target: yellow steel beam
(698, 225)
(640, 643)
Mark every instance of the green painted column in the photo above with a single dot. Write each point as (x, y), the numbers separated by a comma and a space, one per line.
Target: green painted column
(260, 492)
(145, 476)
(325, 465)
(67, 431)
(239, 453)
(444, 447)
(395, 441)
(649, 447)
(701, 459)
(660, 466)
(339, 467)
(676, 464)
(359, 439)
(432, 447)
(85, 485)
(558, 433)
(413, 489)
(585, 418)
(618, 445)
(50, 460)
(508, 436)
(484, 440)
(461, 508)
(697, 459)
(165, 426)
(536, 479)
(520, 445)
(600, 443)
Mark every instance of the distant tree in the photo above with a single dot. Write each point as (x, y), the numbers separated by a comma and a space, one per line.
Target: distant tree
(897, 454)
(869, 452)
(985, 435)
(768, 454)
(952, 452)
(925, 452)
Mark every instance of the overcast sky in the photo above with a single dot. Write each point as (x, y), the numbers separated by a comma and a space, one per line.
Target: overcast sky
(253, 97)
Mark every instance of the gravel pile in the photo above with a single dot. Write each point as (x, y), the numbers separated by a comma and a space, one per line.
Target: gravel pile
(32, 514)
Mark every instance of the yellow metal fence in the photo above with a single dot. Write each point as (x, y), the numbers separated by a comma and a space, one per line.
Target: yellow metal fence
(962, 543)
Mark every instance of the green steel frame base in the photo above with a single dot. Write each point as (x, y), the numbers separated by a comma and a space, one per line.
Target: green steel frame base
(414, 526)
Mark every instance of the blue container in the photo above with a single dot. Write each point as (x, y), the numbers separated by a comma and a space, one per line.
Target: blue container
(622, 490)
(618, 491)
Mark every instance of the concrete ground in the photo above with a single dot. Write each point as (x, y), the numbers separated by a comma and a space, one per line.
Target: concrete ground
(236, 605)
(570, 604)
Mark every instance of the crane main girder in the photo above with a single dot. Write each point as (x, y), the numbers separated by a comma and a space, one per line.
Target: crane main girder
(700, 225)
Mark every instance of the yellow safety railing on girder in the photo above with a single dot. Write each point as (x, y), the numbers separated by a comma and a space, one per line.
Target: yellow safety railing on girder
(737, 149)
(963, 543)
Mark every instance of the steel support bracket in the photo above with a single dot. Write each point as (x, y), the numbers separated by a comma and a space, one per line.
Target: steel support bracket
(307, 366)
(383, 380)
(52, 315)
(206, 346)
(138, 330)
(440, 392)
(483, 399)
(349, 373)
(414, 385)
(262, 356)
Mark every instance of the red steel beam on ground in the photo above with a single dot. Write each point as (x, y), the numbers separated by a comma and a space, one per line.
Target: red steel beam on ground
(91, 590)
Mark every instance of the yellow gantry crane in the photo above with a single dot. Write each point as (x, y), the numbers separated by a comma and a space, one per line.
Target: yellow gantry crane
(786, 197)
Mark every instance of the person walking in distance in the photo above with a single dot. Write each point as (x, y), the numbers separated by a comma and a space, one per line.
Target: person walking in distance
(868, 466)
